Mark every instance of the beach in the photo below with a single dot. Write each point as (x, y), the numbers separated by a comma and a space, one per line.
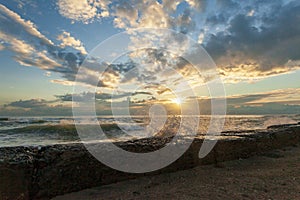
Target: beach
(45, 172)
(151, 99)
(273, 175)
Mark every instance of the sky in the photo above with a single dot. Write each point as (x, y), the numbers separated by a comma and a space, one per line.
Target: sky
(254, 46)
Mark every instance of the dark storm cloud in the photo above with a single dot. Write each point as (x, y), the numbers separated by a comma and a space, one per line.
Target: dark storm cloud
(264, 44)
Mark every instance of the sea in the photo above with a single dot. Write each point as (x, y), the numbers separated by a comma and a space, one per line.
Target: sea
(49, 130)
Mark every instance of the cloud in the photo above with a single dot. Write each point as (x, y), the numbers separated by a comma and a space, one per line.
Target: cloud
(283, 101)
(2, 47)
(48, 74)
(67, 40)
(88, 96)
(171, 5)
(36, 107)
(32, 103)
(15, 37)
(32, 48)
(185, 22)
(244, 46)
(238, 35)
(198, 4)
(289, 96)
(153, 14)
(62, 82)
(26, 54)
(256, 38)
(84, 11)
(22, 25)
(260, 46)
(127, 14)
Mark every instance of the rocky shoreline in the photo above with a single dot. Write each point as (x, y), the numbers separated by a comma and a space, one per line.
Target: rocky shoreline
(48, 171)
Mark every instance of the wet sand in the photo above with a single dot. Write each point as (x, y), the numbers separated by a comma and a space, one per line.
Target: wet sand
(272, 175)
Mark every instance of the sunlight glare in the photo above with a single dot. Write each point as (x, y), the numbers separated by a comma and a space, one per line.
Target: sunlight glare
(177, 101)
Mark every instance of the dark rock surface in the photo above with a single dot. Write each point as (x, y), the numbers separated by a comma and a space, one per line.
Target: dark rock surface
(48, 171)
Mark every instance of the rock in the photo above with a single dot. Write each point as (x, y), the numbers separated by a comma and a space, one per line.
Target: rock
(15, 182)
(280, 126)
(48, 171)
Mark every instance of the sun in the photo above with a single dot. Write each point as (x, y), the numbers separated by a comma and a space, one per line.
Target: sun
(176, 101)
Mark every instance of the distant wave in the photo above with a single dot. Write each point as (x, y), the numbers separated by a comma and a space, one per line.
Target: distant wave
(53, 130)
(51, 134)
